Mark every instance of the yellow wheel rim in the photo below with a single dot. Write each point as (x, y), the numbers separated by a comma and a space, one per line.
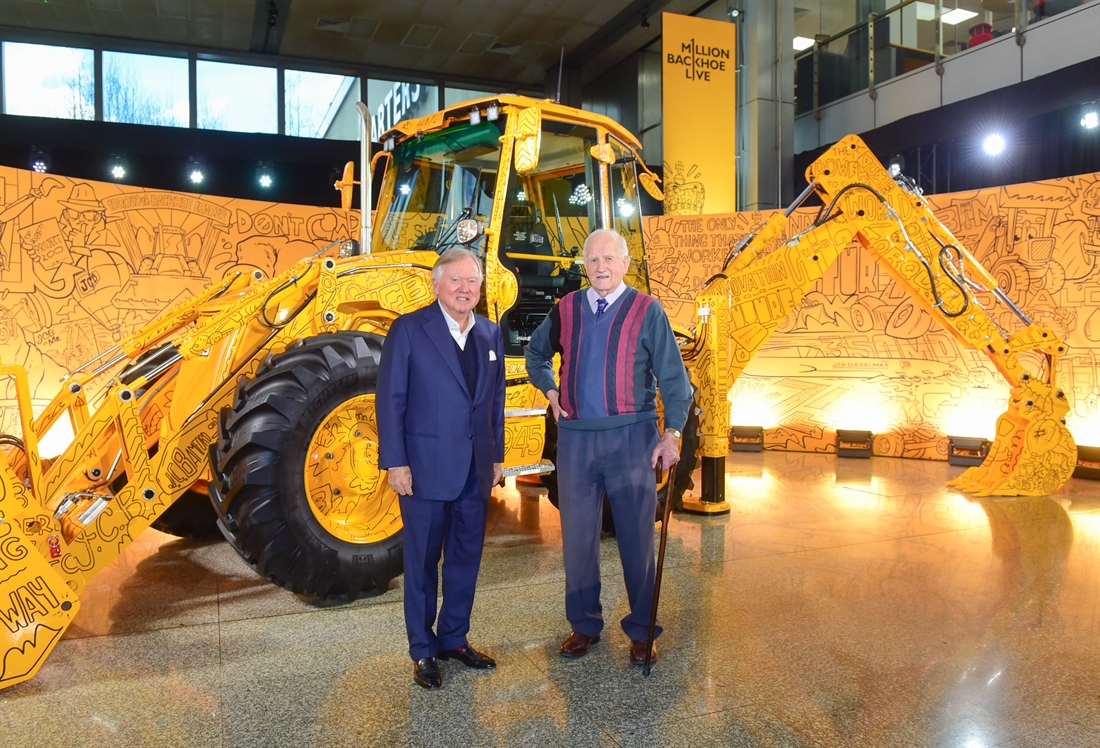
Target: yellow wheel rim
(347, 492)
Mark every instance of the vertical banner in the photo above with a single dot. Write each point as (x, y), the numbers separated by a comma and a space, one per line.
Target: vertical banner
(699, 112)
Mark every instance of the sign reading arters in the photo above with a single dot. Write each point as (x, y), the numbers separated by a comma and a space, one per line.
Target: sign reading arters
(698, 115)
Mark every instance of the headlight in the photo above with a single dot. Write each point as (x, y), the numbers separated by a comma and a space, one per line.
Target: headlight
(468, 230)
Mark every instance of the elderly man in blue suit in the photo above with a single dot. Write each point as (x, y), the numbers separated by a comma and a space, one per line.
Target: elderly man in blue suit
(440, 410)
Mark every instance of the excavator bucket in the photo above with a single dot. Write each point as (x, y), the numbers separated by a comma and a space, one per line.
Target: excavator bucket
(36, 605)
(1032, 454)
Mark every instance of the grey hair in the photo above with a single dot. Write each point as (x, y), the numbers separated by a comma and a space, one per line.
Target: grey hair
(450, 257)
(614, 236)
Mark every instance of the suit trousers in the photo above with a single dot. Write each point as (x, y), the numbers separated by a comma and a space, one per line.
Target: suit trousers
(616, 461)
(456, 530)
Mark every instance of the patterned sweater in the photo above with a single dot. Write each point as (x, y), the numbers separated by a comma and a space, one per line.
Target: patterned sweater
(610, 367)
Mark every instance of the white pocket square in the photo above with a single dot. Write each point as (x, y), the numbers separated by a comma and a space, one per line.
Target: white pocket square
(492, 355)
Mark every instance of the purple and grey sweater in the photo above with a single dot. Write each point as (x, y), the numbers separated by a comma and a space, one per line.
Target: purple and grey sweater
(610, 366)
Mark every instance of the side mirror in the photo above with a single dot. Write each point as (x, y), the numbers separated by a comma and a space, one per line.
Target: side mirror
(528, 139)
(346, 185)
(603, 153)
(649, 184)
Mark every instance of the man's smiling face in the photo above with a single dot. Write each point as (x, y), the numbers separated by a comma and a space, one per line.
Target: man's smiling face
(459, 289)
(605, 265)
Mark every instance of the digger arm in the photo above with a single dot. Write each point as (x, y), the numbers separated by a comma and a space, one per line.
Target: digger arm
(738, 310)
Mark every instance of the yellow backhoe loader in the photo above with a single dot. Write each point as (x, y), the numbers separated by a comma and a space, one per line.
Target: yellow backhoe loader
(250, 407)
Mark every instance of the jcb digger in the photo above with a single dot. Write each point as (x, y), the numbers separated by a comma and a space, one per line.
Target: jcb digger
(254, 400)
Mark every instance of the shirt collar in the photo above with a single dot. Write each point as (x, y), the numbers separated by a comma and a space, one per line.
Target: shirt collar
(611, 298)
(453, 326)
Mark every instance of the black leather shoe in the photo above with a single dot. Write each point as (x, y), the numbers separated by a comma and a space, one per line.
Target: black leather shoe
(426, 673)
(469, 657)
(577, 645)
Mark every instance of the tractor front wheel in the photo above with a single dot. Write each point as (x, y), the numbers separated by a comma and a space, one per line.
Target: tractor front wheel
(308, 507)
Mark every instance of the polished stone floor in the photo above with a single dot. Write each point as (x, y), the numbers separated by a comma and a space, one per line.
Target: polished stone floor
(841, 603)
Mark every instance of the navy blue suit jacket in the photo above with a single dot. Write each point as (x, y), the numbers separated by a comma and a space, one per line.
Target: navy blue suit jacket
(427, 418)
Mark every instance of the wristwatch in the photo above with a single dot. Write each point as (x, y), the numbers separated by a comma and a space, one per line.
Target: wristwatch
(674, 432)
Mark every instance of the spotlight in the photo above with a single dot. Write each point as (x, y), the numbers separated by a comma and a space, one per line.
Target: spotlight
(1090, 120)
(852, 443)
(746, 439)
(492, 111)
(117, 167)
(196, 171)
(39, 161)
(475, 116)
(265, 177)
(645, 21)
(993, 144)
(896, 165)
(965, 450)
(736, 14)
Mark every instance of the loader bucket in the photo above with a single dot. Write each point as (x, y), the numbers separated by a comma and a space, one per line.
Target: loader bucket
(1033, 452)
(36, 606)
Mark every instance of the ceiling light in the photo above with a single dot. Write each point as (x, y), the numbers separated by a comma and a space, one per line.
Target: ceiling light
(265, 177)
(1090, 120)
(993, 144)
(196, 171)
(957, 16)
(801, 43)
(581, 195)
(925, 11)
(39, 161)
(117, 167)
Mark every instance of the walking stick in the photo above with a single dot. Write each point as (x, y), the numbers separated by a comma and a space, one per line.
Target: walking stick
(660, 569)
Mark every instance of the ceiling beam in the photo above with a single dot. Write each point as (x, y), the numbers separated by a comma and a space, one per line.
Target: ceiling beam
(268, 25)
(628, 19)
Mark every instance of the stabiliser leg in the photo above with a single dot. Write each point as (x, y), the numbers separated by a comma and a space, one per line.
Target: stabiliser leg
(713, 500)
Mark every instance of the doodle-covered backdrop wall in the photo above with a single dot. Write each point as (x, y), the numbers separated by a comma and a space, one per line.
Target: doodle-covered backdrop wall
(857, 353)
(83, 264)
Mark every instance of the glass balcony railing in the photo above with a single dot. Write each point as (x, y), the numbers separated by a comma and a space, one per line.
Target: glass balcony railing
(907, 36)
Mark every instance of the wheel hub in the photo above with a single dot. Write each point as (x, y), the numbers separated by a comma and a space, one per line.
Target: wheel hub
(348, 492)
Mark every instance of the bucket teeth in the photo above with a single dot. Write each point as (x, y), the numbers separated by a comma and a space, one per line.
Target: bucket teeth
(1033, 453)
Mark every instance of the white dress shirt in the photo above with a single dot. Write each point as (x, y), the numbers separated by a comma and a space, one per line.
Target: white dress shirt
(611, 298)
(456, 333)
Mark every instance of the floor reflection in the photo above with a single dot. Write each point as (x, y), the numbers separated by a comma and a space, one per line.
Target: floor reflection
(842, 602)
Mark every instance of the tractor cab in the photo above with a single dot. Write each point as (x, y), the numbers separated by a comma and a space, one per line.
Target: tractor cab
(522, 183)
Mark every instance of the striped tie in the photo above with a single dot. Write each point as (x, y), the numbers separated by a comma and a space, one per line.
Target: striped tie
(601, 307)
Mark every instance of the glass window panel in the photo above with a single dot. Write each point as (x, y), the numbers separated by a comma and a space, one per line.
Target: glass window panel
(626, 209)
(391, 102)
(321, 105)
(452, 96)
(47, 81)
(145, 89)
(242, 98)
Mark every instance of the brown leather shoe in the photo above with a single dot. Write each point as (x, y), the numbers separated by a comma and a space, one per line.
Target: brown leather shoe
(637, 653)
(577, 645)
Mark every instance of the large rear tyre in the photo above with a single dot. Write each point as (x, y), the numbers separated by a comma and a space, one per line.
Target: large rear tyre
(308, 506)
(191, 516)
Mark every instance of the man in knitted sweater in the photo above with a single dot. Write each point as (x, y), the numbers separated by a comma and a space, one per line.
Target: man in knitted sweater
(616, 346)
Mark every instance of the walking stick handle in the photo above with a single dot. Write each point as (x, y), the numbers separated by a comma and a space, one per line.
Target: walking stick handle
(660, 566)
